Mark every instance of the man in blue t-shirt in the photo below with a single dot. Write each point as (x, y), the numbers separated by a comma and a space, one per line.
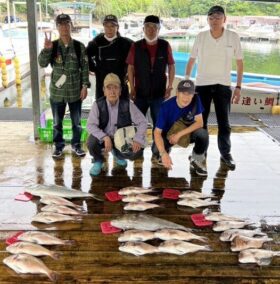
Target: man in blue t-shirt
(185, 110)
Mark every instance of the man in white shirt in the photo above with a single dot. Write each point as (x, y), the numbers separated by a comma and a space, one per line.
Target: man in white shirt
(214, 49)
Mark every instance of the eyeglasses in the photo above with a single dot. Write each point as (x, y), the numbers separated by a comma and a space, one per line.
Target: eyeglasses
(64, 24)
(212, 18)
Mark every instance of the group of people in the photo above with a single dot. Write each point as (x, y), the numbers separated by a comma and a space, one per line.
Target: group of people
(132, 77)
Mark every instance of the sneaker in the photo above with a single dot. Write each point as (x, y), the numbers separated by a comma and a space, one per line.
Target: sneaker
(120, 162)
(228, 160)
(198, 167)
(96, 168)
(78, 151)
(57, 153)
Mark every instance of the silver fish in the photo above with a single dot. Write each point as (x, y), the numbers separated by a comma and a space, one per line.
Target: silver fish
(194, 194)
(136, 236)
(52, 199)
(31, 249)
(259, 256)
(50, 217)
(62, 209)
(225, 225)
(171, 234)
(140, 206)
(23, 263)
(145, 222)
(240, 243)
(142, 197)
(181, 247)
(218, 216)
(62, 191)
(134, 190)
(194, 203)
(230, 234)
(42, 238)
(138, 248)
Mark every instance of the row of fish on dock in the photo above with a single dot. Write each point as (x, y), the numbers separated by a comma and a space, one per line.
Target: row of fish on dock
(248, 242)
(30, 245)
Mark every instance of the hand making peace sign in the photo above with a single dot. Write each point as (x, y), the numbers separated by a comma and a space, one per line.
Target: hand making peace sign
(48, 40)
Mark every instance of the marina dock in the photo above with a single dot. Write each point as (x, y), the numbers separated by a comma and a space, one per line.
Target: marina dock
(251, 191)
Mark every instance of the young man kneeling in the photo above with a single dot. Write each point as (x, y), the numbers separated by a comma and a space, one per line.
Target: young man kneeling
(180, 122)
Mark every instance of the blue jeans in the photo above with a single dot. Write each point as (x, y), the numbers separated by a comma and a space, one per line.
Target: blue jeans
(221, 96)
(58, 112)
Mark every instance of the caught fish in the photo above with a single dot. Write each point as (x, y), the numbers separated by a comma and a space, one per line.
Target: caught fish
(42, 238)
(218, 216)
(194, 203)
(62, 191)
(181, 247)
(194, 194)
(52, 199)
(31, 249)
(24, 263)
(134, 190)
(138, 248)
(225, 225)
(259, 256)
(140, 206)
(229, 235)
(242, 242)
(145, 222)
(142, 197)
(50, 217)
(62, 209)
(136, 236)
(170, 234)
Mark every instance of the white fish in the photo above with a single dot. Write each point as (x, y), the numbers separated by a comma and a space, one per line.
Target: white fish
(194, 194)
(140, 206)
(194, 203)
(181, 247)
(230, 234)
(170, 234)
(23, 263)
(62, 191)
(31, 249)
(52, 199)
(134, 190)
(50, 217)
(259, 256)
(138, 248)
(142, 197)
(136, 236)
(218, 216)
(145, 222)
(242, 242)
(42, 238)
(62, 209)
(225, 225)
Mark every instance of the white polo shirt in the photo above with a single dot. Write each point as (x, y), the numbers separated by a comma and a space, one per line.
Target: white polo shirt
(214, 57)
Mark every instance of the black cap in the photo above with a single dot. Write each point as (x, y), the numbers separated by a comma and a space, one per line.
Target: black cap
(111, 19)
(62, 18)
(152, 19)
(186, 86)
(216, 10)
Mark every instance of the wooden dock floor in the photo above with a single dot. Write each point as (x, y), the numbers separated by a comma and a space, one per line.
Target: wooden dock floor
(251, 191)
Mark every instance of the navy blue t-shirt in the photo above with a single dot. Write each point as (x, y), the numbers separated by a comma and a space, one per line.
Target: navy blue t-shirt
(171, 112)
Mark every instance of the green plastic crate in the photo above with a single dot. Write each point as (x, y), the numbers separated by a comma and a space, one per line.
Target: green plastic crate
(66, 123)
(46, 134)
